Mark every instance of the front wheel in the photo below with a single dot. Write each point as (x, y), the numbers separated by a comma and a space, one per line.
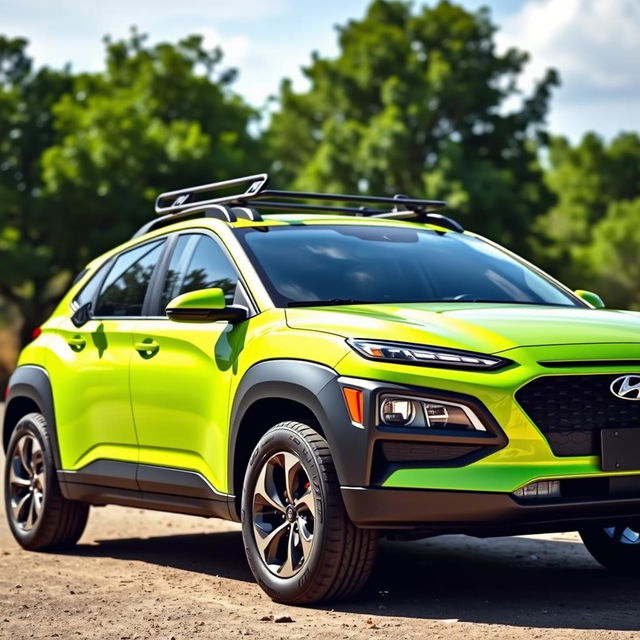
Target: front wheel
(300, 544)
(615, 547)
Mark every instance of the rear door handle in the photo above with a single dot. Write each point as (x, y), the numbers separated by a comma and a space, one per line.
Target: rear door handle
(77, 343)
(147, 348)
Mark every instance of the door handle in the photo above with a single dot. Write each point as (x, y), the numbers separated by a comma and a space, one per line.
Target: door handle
(77, 343)
(147, 348)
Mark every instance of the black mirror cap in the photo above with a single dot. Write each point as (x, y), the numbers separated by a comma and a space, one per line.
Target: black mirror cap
(233, 314)
(81, 315)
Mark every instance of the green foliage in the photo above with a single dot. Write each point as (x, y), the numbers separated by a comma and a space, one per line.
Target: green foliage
(597, 187)
(27, 258)
(417, 101)
(613, 256)
(414, 103)
(84, 156)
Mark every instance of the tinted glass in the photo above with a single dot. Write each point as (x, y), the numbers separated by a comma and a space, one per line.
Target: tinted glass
(88, 292)
(390, 264)
(125, 287)
(198, 263)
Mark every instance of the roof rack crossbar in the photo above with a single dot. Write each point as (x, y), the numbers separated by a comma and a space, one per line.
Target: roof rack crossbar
(181, 199)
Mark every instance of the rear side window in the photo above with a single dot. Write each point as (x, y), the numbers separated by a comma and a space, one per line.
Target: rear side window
(198, 262)
(125, 288)
(88, 292)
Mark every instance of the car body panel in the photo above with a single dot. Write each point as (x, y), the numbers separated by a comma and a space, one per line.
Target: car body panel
(179, 414)
(482, 327)
(91, 391)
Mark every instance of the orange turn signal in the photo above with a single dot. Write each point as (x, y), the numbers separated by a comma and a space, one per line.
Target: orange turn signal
(355, 403)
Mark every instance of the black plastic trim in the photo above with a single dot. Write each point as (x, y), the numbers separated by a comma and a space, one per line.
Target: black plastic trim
(145, 486)
(97, 495)
(307, 383)
(477, 513)
(105, 473)
(32, 382)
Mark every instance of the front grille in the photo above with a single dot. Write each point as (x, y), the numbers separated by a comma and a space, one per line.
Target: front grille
(571, 410)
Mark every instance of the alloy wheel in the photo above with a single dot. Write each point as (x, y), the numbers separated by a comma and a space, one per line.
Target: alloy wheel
(623, 535)
(284, 514)
(27, 484)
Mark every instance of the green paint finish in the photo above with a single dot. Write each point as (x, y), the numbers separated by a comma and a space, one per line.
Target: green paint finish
(172, 406)
(199, 299)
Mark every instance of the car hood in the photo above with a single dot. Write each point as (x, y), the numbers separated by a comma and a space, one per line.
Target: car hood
(487, 328)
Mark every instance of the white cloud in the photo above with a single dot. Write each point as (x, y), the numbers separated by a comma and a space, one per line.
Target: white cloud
(236, 48)
(594, 45)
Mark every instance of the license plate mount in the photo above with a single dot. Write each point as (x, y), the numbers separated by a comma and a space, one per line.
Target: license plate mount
(620, 449)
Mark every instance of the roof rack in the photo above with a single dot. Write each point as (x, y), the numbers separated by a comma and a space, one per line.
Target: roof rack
(238, 198)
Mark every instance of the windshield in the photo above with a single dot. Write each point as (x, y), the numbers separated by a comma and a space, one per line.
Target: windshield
(348, 264)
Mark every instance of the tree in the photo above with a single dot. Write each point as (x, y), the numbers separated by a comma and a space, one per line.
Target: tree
(596, 186)
(613, 256)
(156, 119)
(26, 130)
(415, 103)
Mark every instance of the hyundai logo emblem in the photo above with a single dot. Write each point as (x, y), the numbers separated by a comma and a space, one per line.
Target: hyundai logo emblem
(626, 387)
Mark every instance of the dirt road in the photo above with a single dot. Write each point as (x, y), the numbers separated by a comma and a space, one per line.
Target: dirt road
(150, 575)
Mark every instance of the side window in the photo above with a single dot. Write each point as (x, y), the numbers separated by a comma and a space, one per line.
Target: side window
(125, 287)
(88, 292)
(198, 263)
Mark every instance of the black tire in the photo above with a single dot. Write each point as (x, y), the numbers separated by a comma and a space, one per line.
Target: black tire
(616, 548)
(59, 522)
(341, 555)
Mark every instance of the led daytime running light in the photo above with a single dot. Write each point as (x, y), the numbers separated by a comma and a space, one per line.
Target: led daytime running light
(425, 355)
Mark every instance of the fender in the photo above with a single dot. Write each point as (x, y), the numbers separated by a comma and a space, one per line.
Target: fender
(31, 381)
(316, 387)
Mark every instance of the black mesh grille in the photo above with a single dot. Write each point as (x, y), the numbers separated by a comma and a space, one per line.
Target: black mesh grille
(423, 452)
(571, 410)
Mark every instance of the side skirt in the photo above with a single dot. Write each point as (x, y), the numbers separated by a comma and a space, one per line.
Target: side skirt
(145, 487)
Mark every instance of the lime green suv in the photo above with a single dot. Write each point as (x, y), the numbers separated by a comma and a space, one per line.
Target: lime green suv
(326, 369)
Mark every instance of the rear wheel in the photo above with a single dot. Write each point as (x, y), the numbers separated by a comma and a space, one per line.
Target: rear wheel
(614, 547)
(300, 544)
(38, 514)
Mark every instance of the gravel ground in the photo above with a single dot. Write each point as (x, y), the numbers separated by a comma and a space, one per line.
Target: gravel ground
(138, 574)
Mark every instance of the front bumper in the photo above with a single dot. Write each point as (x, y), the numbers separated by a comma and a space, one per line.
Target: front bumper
(479, 513)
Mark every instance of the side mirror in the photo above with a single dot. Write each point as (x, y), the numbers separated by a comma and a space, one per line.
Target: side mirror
(204, 305)
(590, 298)
(81, 315)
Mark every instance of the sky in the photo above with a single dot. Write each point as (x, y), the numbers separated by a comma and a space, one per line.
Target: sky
(594, 44)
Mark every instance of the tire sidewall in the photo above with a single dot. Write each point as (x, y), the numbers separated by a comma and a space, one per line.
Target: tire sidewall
(34, 425)
(282, 438)
(611, 553)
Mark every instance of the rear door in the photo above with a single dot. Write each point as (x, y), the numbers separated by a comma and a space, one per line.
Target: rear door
(90, 365)
(180, 385)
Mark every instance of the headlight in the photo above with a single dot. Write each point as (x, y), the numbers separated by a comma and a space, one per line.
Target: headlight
(426, 356)
(427, 413)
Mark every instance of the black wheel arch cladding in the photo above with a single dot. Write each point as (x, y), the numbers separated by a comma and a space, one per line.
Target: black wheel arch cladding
(314, 386)
(31, 382)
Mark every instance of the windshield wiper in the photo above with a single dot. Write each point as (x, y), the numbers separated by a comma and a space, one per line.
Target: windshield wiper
(328, 303)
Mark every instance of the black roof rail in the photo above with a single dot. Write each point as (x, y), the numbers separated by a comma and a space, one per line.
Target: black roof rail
(240, 197)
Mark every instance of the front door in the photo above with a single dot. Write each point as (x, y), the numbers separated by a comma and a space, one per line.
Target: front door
(181, 376)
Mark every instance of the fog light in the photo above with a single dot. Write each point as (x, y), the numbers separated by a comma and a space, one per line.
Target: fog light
(427, 413)
(542, 489)
(397, 411)
(437, 415)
